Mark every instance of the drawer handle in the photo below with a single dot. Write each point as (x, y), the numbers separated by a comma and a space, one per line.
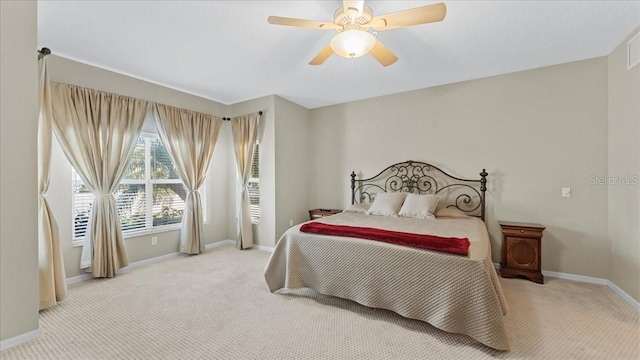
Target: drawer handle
(521, 230)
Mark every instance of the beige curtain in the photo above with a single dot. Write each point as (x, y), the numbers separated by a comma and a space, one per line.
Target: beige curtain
(245, 136)
(190, 139)
(97, 132)
(53, 283)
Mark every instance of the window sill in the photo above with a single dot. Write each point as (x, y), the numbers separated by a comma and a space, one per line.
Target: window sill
(132, 234)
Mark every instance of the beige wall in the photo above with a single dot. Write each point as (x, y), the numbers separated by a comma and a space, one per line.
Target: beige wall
(292, 165)
(534, 131)
(624, 160)
(18, 159)
(138, 247)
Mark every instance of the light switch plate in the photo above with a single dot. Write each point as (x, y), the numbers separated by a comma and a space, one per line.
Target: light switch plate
(566, 192)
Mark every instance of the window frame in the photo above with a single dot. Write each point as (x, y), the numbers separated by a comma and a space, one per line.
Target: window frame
(254, 220)
(148, 183)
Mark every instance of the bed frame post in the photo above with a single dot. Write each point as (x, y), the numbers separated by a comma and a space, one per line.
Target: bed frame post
(483, 188)
(353, 187)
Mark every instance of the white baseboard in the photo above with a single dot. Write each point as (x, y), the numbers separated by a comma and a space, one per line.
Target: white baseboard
(152, 260)
(264, 248)
(17, 340)
(76, 279)
(591, 280)
(220, 243)
(579, 278)
(232, 242)
(616, 289)
(83, 277)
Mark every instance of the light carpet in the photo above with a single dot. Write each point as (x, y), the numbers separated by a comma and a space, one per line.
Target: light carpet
(217, 306)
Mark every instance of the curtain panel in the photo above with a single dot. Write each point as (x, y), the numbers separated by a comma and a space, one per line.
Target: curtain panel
(245, 136)
(97, 132)
(190, 138)
(52, 278)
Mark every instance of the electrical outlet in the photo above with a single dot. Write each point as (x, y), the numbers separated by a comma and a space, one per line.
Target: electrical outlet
(154, 241)
(566, 192)
(290, 222)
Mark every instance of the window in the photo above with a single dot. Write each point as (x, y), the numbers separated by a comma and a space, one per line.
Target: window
(149, 196)
(254, 186)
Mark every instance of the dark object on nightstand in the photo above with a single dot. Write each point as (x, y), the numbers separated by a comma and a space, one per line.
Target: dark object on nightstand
(521, 244)
(318, 213)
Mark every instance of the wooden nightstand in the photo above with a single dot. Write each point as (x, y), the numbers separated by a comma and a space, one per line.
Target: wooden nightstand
(521, 244)
(318, 213)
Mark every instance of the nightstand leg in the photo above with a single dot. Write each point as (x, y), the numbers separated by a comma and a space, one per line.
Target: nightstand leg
(532, 276)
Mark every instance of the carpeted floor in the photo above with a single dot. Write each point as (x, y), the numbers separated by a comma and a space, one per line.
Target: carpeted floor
(217, 306)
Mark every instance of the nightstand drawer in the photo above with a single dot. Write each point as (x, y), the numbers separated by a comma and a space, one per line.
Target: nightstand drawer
(523, 232)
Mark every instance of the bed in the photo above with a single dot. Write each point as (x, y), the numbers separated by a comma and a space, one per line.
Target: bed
(455, 293)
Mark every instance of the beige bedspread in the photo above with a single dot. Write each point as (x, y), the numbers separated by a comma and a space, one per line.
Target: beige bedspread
(459, 294)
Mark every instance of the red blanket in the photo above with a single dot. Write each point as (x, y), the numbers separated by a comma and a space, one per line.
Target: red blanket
(451, 245)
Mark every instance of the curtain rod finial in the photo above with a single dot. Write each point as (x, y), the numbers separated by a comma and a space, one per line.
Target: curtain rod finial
(45, 51)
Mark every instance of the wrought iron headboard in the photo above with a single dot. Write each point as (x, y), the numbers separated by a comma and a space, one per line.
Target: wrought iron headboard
(417, 177)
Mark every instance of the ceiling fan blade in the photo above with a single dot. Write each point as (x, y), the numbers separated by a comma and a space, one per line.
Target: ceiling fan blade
(354, 5)
(421, 15)
(382, 54)
(278, 20)
(322, 56)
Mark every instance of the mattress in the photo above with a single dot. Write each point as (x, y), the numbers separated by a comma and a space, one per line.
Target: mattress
(459, 294)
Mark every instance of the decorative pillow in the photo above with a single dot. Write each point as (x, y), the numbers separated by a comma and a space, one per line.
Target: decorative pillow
(387, 204)
(453, 213)
(359, 208)
(419, 206)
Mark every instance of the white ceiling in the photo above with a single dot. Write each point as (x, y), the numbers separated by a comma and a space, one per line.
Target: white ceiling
(226, 51)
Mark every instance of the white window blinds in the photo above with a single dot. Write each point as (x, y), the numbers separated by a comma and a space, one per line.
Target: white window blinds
(150, 195)
(254, 186)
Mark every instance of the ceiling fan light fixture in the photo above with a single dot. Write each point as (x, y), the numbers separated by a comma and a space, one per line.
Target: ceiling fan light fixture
(352, 44)
(353, 21)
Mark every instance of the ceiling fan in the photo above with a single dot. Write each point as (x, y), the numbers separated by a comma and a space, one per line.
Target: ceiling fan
(353, 20)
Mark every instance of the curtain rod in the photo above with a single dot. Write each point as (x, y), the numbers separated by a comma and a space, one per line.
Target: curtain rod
(229, 119)
(46, 51)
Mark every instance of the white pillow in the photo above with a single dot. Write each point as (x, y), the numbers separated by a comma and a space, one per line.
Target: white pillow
(387, 204)
(453, 213)
(359, 208)
(419, 206)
